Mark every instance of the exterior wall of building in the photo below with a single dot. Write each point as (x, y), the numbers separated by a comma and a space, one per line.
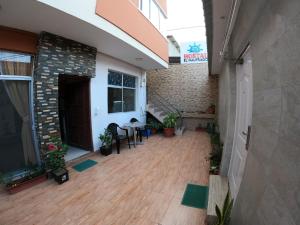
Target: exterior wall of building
(269, 192)
(136, 3)
(17, 40)
(103, 34)
(129, 19)
(186, 86)
(163, 5)
(99, 104)
(173, 51)
(227, 112)
(56, 55)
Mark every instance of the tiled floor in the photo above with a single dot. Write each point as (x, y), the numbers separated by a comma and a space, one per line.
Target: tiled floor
(141, 186)
(74, 152)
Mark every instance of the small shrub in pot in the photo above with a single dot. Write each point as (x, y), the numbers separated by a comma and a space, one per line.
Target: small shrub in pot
(106, 139)
(169, 124)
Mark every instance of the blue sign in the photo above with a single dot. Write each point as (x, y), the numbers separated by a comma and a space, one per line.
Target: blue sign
(193, 52)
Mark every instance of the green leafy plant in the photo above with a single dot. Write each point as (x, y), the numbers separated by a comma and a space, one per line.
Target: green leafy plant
(170, 120)
(224, 215)
(54, 157)
(154, 125)
(216, 154)
(106, 138)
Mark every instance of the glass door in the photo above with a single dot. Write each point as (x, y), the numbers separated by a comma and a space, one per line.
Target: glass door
(16, 141)
(17, 135)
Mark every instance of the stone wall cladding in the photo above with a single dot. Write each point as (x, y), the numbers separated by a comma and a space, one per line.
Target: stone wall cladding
(56, 55)
(186, 86)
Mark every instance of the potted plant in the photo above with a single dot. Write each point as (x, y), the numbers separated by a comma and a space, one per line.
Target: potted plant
(23, 179)
(154, 126)
(55, 161)
(106, 139)
(224, 214)
(169, 124)
(200, 128)
(211, 109)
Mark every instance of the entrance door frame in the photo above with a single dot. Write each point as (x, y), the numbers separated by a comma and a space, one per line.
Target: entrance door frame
(245, 52)
(86, 79)
(31, 107)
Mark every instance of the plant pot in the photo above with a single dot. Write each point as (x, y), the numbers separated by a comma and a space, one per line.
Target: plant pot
(27, 184)
(200, 129)
(154, 131)
(147, 133)
(106, 150)
(61, 175)
(169, 132)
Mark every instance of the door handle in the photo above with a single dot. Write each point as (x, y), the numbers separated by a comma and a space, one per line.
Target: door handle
(248, 137)
(244, 133)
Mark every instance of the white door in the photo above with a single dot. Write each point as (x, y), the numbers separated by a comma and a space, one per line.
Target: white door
(243, 122)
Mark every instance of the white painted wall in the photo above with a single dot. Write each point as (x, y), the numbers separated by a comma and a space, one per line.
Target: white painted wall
(173, 51)
(99, 107)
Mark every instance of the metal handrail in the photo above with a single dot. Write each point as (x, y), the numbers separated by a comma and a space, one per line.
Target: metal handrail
(167, 106)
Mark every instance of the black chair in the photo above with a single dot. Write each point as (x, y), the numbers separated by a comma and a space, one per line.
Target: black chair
(113, 129)
(140, 130)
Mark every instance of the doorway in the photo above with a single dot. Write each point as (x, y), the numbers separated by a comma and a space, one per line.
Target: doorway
(243, 122)
(75, 115)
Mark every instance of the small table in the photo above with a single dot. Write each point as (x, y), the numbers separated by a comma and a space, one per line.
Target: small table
(133, 126)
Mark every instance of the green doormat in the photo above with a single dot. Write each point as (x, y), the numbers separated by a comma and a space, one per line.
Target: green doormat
(84, 165)
(195, 196)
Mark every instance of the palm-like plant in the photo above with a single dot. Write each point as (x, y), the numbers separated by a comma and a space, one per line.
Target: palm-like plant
(224, 215)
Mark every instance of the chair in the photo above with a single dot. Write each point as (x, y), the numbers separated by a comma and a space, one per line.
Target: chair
(113, 129)
(140, 130)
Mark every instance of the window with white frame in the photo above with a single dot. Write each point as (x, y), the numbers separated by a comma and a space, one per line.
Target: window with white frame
(15, 63)
(145, 7)
(121, 92)
(153, 12)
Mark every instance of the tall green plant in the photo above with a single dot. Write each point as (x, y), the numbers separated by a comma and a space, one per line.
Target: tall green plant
(224, 215)
(170, 120)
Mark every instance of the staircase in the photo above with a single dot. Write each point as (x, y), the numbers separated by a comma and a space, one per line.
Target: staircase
(159, 108)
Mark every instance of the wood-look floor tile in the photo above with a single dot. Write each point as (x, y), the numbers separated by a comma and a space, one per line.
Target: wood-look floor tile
(141, 186)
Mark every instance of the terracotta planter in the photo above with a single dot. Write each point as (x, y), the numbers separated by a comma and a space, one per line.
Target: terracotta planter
(27, 184)
(153, 130)
(200, 129)
(169, 132)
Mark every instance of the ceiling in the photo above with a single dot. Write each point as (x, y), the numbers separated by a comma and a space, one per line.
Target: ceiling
(217, 13)
(34, 16)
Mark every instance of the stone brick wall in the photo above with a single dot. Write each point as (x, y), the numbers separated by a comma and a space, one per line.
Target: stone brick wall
(186, 86)
(56, 55)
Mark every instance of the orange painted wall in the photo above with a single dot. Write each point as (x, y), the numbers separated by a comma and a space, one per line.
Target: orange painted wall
(136, 2)
(128, 18)
(17, 40)
(163, 5)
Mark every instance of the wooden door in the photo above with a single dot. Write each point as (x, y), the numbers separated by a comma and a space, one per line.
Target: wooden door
(243, 122)
(78, 116)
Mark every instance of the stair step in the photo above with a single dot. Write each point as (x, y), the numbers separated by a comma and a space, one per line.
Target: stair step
(163, 114)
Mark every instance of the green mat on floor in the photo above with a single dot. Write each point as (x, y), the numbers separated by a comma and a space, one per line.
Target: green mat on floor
(84, 165)
(195, 196)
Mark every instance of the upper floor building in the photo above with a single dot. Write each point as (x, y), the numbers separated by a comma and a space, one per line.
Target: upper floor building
(129, 30)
